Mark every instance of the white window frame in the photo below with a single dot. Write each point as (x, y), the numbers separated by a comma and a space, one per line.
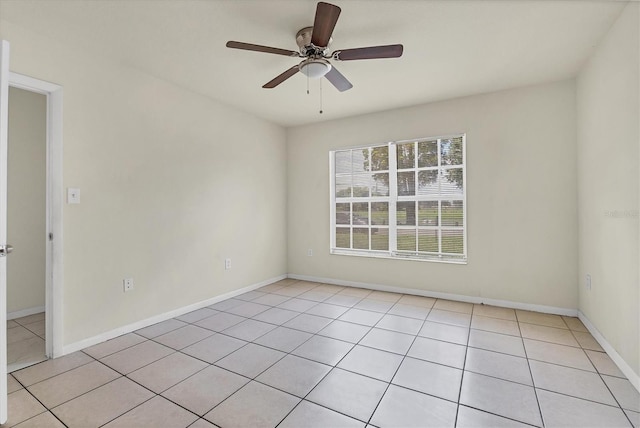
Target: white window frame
(392, 199)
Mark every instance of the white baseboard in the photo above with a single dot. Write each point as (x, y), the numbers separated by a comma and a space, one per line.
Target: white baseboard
(625, 368)
(458, 297)
(77, 346)
(633, 377)
(24, 312)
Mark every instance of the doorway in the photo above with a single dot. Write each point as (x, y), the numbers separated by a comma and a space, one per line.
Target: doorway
(54, 199)
(26, 228)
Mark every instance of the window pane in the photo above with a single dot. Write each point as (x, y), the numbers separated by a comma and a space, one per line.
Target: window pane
(427, 153)
(343, 187)
(379, 213)
(406, 239)
(451, 183)
(428, 183)
(452, 241)
(380, 159)
(452, 213)
(406, 183)
(361, 183)
(343, 213)
(451, 151)
(343, 162)
(428, 240)
(379, 238)
(343, 237)
(360, 160)
(380, 185)
(406, 155)
(428, 213)
(361, 213)
(361, 238)
(406, 213)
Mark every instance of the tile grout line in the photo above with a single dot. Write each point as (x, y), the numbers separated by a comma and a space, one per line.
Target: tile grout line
(400, 365)
(533, 381)
(603, 381)
(47, 409)
(50, 377)
(464, 365)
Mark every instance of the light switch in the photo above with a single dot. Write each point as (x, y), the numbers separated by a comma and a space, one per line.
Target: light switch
(73, 196)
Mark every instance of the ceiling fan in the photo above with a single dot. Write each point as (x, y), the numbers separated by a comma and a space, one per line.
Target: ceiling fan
(314, 48)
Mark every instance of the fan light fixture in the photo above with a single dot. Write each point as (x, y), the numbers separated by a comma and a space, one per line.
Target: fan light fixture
(315, 68)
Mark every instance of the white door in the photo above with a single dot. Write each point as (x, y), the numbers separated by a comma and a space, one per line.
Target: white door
(4, 248)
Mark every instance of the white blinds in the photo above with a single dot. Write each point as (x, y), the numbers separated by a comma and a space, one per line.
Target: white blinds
(360, 199)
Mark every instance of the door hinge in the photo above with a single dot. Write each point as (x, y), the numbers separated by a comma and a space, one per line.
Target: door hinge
(50, 236)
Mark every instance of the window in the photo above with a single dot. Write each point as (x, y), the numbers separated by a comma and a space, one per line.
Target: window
(403, 199)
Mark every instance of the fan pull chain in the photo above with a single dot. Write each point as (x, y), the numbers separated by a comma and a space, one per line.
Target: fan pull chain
(307, 85)
(321, 95)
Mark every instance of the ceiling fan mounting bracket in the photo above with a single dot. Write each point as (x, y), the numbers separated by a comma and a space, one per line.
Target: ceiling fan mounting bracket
(308, 49)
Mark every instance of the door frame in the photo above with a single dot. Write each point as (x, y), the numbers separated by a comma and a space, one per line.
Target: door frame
(54, 205)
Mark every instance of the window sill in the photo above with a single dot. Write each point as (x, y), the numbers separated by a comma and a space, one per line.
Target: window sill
(387, 255)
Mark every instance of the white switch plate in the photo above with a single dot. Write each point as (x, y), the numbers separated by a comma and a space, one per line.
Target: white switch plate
(588, 282)
(127, 284)
(227, 263)
(310, 252)
(73, 195)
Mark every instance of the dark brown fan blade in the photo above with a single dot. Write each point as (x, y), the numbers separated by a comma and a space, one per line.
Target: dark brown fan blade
(259, 48)
(372, 52)
(324, 23)
(338, 80)
(281, 78)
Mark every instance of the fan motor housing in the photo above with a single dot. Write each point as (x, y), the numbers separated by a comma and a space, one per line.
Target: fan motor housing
(303, 39)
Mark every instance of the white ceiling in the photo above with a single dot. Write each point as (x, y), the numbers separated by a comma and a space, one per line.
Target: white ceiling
(451, 48)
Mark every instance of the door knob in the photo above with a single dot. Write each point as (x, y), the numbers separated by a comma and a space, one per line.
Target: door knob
(5, 249)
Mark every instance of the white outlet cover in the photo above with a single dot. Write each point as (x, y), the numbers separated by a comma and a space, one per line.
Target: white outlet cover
(227, 263)
(127, 284)
(588, 282)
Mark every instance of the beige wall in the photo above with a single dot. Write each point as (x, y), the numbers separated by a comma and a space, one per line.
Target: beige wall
(608, 182)
(26, 203)
(521, 193)
(172, 183)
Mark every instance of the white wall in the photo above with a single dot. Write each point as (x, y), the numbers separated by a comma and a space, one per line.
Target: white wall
(26, 204)
(521, 193)
(172, 183)
(608, 181)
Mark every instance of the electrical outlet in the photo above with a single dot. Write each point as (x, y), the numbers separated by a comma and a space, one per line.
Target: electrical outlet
(588, 282)
(227, 264)
(309, 252)
(127, 284)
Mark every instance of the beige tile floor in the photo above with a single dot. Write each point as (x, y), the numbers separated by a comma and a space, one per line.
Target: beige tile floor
(25, 341)
(301, 354)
